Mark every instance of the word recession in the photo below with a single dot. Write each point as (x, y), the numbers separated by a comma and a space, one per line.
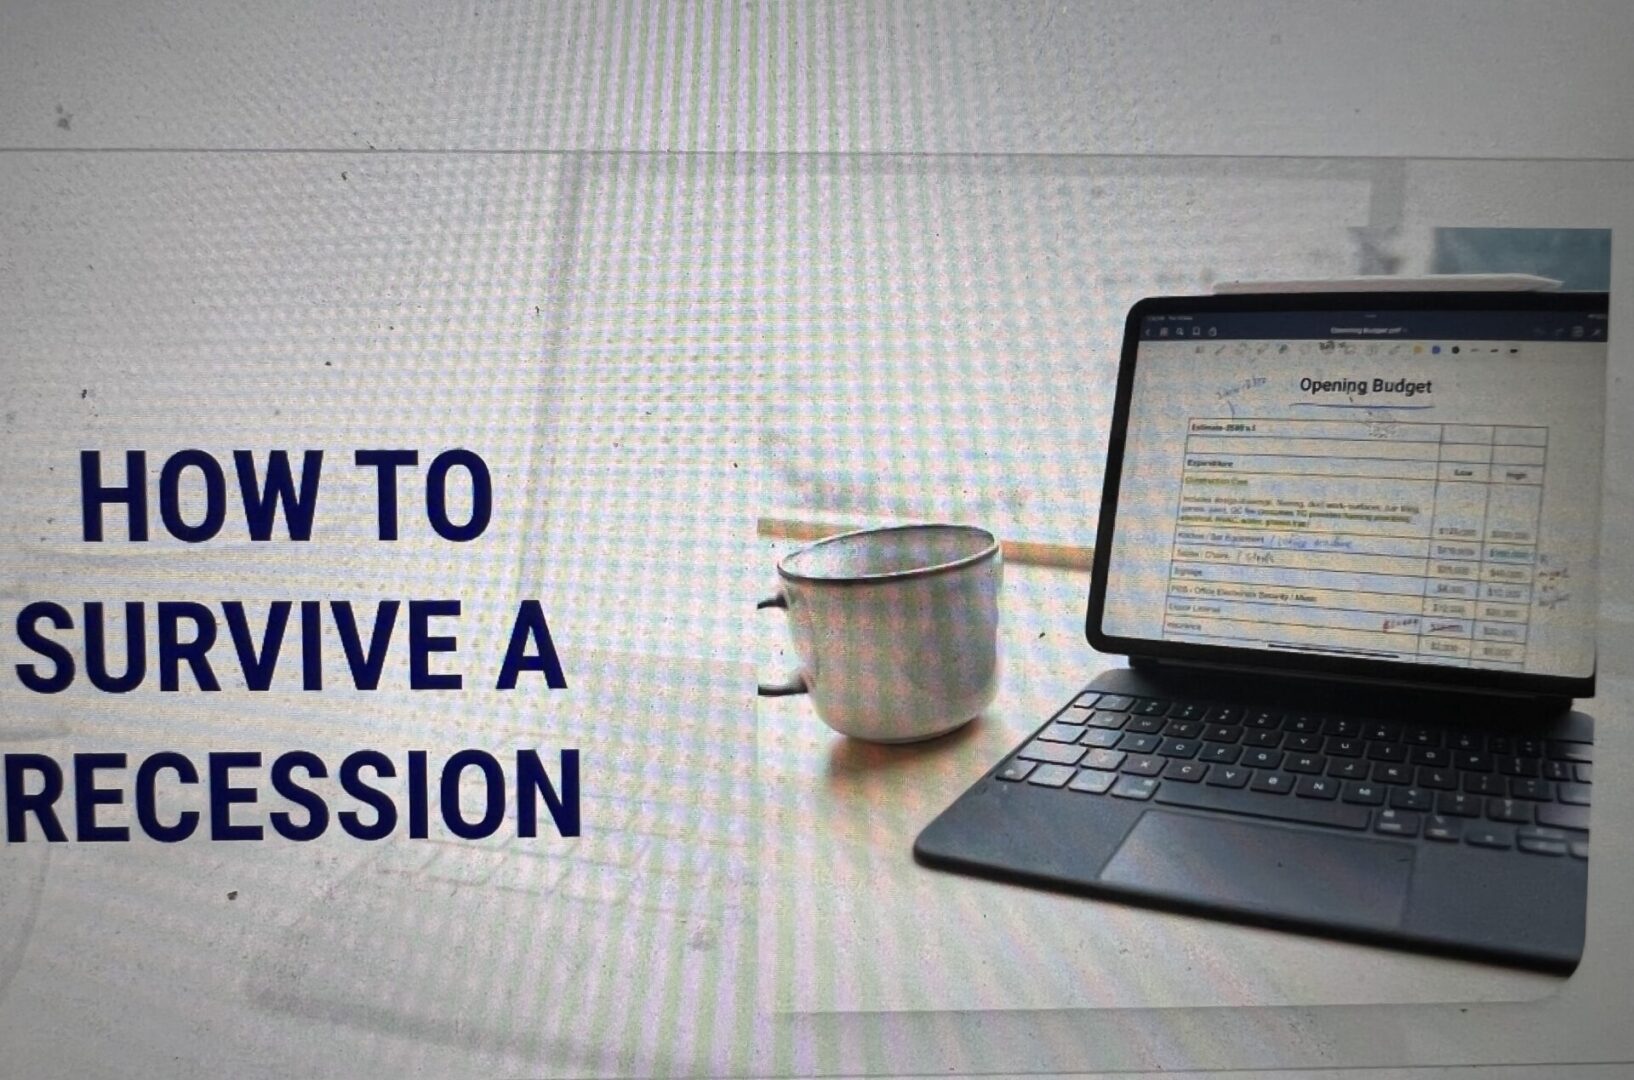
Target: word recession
(107, 786)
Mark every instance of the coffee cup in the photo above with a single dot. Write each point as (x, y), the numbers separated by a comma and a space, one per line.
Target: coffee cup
(896, 628)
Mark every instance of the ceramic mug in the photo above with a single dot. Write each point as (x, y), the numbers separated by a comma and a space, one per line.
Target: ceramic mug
(896, 628)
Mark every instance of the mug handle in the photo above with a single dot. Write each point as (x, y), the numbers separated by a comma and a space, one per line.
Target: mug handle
(796, 683)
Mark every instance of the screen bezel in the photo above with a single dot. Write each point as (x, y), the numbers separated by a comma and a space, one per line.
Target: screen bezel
(1391, 671)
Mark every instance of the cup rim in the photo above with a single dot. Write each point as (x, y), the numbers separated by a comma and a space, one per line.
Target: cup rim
(988, 550)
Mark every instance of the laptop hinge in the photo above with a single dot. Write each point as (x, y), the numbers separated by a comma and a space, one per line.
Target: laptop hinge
(1154, 663)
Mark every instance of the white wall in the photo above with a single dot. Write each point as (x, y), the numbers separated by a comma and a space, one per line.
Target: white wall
(1461, 78)
(931, 329)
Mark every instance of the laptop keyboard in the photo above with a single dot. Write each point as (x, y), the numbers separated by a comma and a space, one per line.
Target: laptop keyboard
(1433, 783)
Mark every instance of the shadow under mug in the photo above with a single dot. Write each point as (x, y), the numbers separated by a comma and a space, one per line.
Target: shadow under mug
(896, 628)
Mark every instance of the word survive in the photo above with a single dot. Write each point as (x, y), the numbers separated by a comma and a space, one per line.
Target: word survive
(186, 632)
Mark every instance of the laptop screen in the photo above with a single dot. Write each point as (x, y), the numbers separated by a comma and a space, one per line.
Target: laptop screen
(1336, 486)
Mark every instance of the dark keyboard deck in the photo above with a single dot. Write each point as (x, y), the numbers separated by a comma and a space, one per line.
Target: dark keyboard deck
(1434, 783)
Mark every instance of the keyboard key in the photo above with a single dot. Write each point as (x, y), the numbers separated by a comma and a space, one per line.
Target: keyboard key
(1363, 794)
(1466, 740)
(1115, 703)
(1540, 847)
(1110, 720)
(1151, 707)
(1308, 811)
(1103, 759)
(1225, 714)
(1576, 794)
(1015, 770)
(1518, 766)
(1086, 700)
(1571, 751)
(1305, 763)
(1101, 738)
(1264, 718)
(1302, 723)
(1489, 836)
(1225, 733)
(1343, 747)
(1396, 823)
(1484, 783)
(1096, 783)
(1228, 776)
(1513, 810)
(1536, 790)
(1188, 710)
(1379, 731)
(1457, 804)
(1535, 833)
(1179, 748)
(1580, 849)
(1304, 744)
(1054, 753)
(1431, 755)
(1557, 770)
(1348, 769)
(1256, 737)
(1051, 775)
(1529, 747)
(1344, 727)
(1067, 733)
(1183, 729)
(1139, 744)
(1584, 773)
(1317, 787)
(1562, 816)
(1446, 829)
(1146, 725)
(1188, 772)
(1500, 745)
(1437, 779)
(1472, 761)
(1386, 772)
(1262, 759)
(1143, 765)
(1412, 798)
(1422, 736)
(1220, 752)
(1273, 782)
(1135, 787)
(1387, 751)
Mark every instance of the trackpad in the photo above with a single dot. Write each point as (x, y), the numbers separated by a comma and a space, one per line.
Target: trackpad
(1265, 870)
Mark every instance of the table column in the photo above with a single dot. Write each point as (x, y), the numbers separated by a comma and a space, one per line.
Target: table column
(1453, 577)
(1509, 546)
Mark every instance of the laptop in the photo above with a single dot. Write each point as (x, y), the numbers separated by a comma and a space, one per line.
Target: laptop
(1348, 543)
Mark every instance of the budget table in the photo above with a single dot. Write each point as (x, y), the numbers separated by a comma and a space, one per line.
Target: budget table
(1381, 537)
